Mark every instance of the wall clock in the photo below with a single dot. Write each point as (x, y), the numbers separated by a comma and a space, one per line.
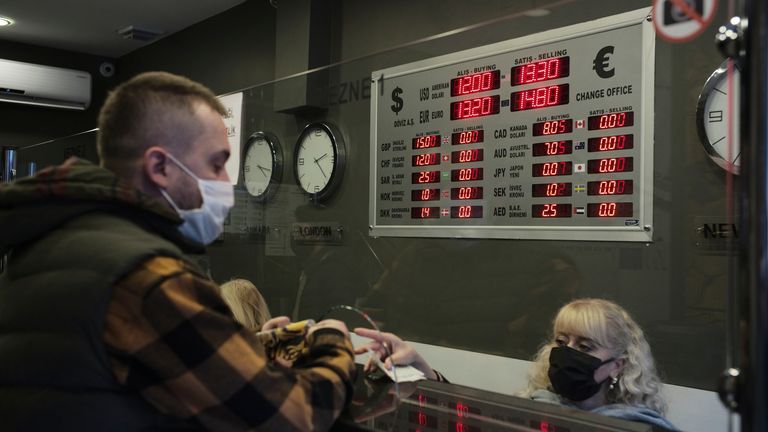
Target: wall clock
(262, 165)
(715, 113)
(319, 160)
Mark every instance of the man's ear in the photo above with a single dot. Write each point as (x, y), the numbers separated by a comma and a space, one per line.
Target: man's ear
(155, 165)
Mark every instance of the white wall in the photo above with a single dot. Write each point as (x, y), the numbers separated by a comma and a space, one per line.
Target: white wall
(689, 409)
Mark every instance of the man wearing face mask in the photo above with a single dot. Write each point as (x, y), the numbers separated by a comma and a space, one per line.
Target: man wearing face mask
(106, 325)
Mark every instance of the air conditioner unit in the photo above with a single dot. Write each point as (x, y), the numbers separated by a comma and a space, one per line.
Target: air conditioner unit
(33, 84)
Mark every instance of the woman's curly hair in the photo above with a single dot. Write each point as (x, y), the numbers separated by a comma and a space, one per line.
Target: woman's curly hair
(609, 325)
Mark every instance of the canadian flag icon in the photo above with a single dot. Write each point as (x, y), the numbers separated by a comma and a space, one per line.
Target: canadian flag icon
(579, 124)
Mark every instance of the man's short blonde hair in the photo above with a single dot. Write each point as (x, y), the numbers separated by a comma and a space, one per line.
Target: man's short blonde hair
(153, 108)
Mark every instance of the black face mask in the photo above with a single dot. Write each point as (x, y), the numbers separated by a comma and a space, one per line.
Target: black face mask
(572, 373)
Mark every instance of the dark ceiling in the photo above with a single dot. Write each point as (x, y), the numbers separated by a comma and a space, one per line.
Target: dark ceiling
(91, 27)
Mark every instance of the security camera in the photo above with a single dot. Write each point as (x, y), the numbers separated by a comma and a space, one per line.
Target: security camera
(106, 69)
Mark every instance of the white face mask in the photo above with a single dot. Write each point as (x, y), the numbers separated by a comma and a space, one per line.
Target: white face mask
(206, 223)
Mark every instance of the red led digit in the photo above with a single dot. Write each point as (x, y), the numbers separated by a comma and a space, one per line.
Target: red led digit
(422, 419)
(610, 121)
(468, 137)
(467, 193)
(477, 107)
(425, 177)
(552, 169)
(551, 210)
(610, 187)
(470, 155)
(466, 212)
(476, 83)
(610, 143)
(609, 209)
(541, 97)
(467, 174)
(610, 165)
(541, 71)
(426, 159)
(553, 148)
(551, 189)
(427, 141)
(613, 120)
(553, 127)
(425, 212)
(425, 195)
(613, 143)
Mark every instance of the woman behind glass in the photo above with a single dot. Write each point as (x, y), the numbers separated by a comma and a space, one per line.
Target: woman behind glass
(598, 360)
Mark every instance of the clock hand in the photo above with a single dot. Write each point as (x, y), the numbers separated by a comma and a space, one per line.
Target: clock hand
(321, 168)
(321, 157)
(262, 169)
(712, 144)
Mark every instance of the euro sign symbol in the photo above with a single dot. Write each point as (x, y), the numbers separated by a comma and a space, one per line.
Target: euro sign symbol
(398, 101)
(601, 62)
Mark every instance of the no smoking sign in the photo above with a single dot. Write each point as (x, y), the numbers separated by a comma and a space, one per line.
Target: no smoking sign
(682, 20)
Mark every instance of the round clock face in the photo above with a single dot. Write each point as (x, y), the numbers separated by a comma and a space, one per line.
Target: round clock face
(716, 112)
(262, 165)
(319, 160)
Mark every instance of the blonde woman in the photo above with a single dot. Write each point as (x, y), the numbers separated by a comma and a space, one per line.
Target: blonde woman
(598, 360)
(246, 302)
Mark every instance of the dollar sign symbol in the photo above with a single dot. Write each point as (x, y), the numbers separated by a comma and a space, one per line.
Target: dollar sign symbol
(398, 101)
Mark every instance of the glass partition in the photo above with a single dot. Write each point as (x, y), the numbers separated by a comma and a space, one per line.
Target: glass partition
(476, 293)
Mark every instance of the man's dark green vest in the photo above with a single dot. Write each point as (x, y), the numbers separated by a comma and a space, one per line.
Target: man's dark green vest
(55, 374)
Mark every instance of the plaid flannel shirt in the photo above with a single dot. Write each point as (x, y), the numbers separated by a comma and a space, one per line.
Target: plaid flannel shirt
(171, 337)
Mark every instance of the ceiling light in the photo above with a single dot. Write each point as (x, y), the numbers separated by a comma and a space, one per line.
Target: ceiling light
(536, 13)
(5, 22)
